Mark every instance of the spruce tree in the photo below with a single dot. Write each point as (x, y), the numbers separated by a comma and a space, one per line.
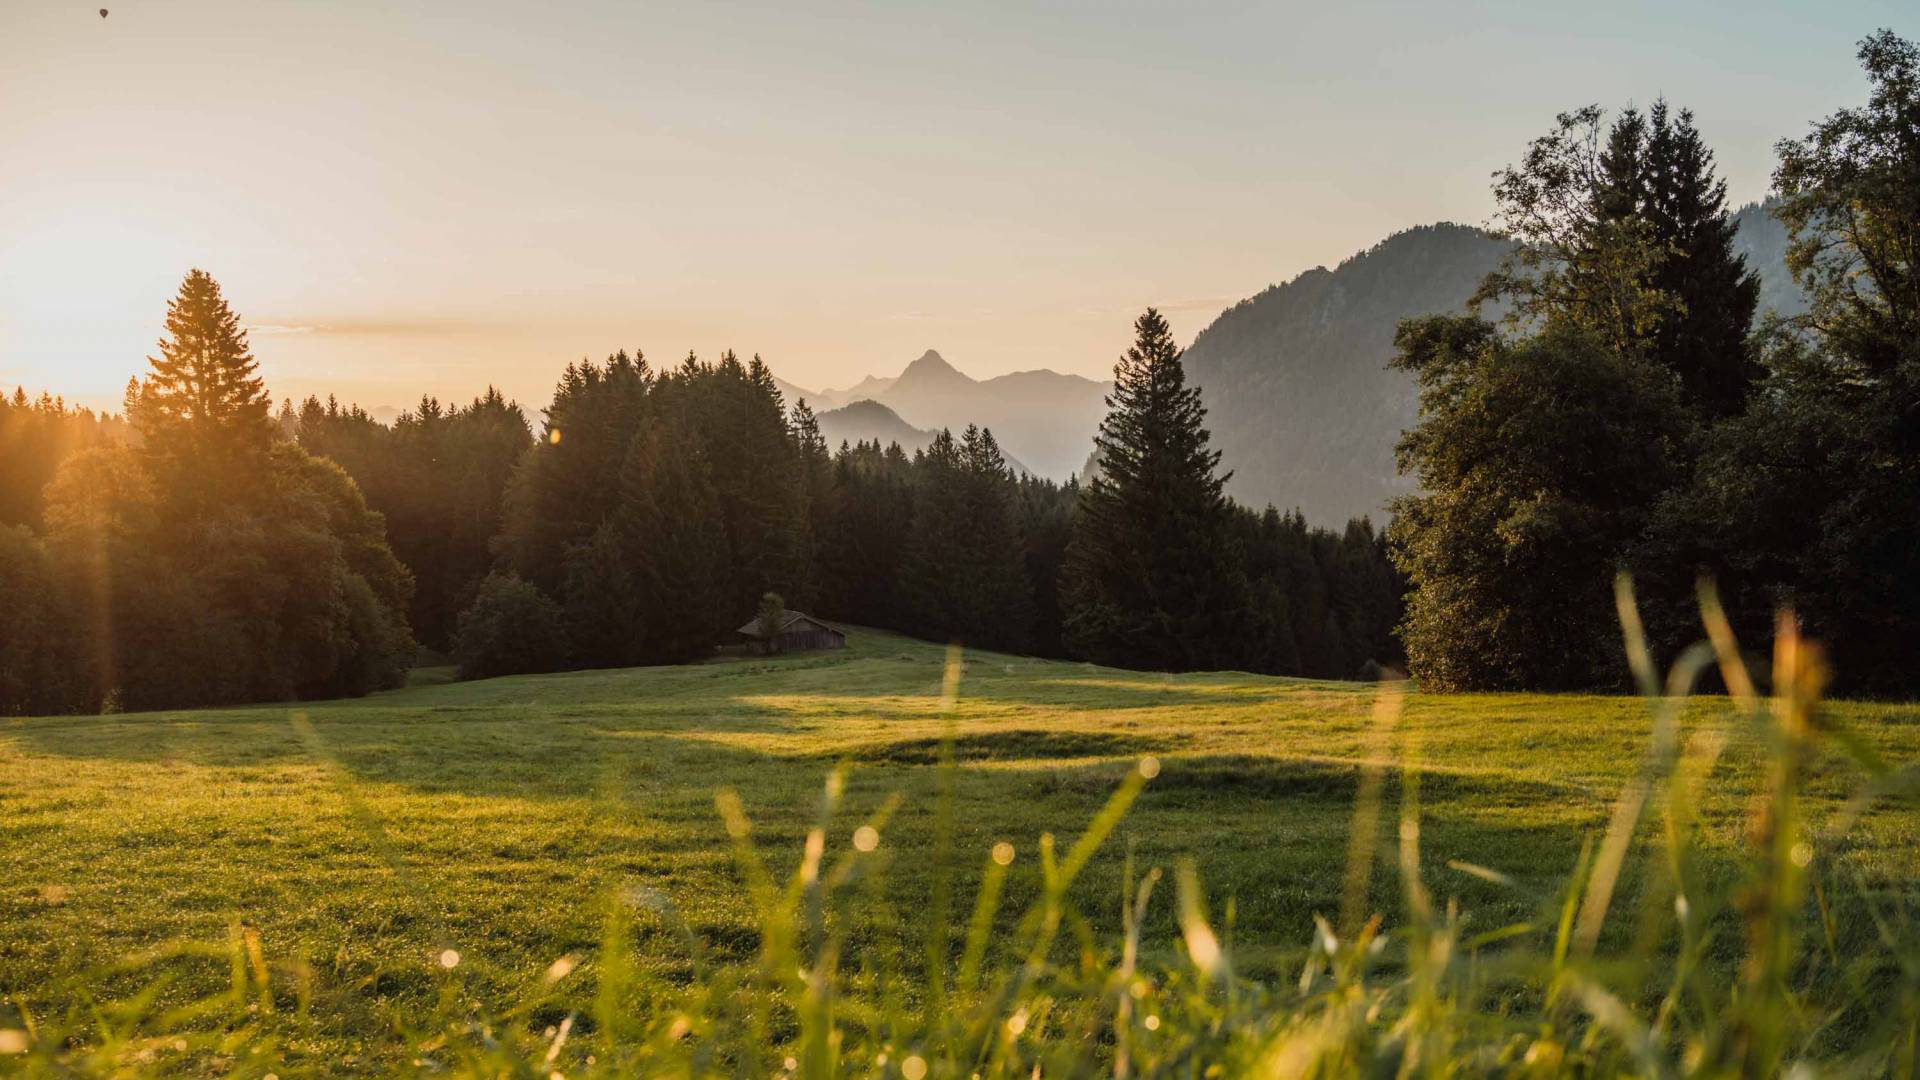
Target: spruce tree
(997, 599)
(964, 577)
(867, 536)
(931, 574)
(733, 413)
(1151, 576)
(1703, 339)
(1631, 239)
(1620, 190)
(203, 403)
(816, 485)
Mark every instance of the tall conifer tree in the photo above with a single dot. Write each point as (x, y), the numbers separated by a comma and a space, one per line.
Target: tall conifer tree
(203, 402)
(997, 602)
(1151, 578)
(1703, 339)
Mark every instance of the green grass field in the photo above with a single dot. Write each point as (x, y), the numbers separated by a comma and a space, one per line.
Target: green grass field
(505, 818)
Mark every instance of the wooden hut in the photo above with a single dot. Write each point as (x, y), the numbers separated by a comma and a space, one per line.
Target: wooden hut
(796, 630)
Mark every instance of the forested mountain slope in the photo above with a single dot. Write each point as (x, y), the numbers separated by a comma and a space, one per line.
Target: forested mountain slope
(1299, 397)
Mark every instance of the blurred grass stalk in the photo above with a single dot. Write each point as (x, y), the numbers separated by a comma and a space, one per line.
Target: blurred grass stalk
(1583, 992)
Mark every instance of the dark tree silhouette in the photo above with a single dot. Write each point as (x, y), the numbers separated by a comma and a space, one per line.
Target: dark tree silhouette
(1151, 578)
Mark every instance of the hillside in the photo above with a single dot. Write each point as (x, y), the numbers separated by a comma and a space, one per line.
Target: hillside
(501, 819)
(870, 421)
(1299, 397)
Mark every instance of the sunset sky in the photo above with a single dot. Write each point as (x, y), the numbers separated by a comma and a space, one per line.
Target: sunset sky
(430, 196)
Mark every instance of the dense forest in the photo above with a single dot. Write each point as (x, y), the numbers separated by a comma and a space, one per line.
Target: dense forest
(204, 551)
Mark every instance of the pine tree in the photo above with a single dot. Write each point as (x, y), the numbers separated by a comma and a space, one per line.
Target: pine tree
(867, 536)
(1632, 240)
(816, 486)
(1704, 338)
(996, 599)
(964, 578)
(1621, 189)
(562, 491)
(1151, 578)
(930, 576)
(203, 403)
(733, 413)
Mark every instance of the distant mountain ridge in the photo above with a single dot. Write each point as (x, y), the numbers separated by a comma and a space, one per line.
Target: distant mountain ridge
(1299, 397)
(1300, 400)
(869, 421)
(1041, 418)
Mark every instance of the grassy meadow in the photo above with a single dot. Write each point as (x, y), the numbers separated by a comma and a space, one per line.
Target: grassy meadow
(351, 849)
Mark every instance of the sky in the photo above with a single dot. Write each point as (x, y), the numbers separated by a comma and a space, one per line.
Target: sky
(434, 196)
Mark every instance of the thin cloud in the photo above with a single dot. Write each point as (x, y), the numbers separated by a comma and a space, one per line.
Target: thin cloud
(1200, 303)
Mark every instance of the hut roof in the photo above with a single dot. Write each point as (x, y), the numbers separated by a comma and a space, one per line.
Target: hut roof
(788, 617)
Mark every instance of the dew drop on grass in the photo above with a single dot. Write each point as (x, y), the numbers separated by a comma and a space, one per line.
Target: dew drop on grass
(914, 1068)
(1003, 853)
(449, 959)
(1152, 1022)
(1149, 767)
(866, 838)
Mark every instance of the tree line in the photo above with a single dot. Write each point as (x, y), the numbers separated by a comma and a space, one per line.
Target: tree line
(204, 550)
(1630, 412)
(659, 507)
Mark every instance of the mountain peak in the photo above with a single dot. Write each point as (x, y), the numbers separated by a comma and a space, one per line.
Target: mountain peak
(930, 363)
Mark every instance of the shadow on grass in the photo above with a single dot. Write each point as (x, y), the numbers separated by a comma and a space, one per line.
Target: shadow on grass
(1014, 744)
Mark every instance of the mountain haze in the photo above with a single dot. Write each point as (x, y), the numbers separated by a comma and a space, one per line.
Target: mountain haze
(870, 421)
(1299, 397)
(1043, 419)
(1300, 400)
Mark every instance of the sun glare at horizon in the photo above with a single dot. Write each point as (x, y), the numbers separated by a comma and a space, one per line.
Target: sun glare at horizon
(435, 198)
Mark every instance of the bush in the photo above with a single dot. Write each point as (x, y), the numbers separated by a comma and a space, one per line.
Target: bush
(511, 629)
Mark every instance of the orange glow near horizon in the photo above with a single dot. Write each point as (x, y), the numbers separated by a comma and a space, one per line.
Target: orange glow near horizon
(432, 198)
